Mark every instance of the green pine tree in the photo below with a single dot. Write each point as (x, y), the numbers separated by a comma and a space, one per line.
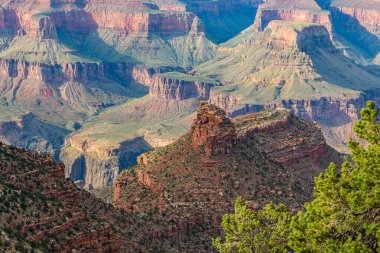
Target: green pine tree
(248, 231)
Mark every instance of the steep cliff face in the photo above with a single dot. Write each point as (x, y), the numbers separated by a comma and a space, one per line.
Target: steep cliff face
(190, 182)
(76, 71)
(365, 13)
(212, 130)
(127, 21)
(173, 88)
(358, 21)
(97, 166)
(295, 11)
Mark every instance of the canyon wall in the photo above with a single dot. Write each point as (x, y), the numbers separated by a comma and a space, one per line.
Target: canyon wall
(121, 19)
(364, 15)
(295, 11)
(69, 226)
(171, 88)
(76, 71)
(359, 22)
(97, 166)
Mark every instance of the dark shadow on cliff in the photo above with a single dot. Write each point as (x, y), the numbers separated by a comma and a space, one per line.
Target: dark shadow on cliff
(354, 32)
(118, 67)
(228, 24)
(324, 4)
(129, 151)
(335, 68)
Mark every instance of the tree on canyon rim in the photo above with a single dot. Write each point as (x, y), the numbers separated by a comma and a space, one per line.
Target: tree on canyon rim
(344, 215)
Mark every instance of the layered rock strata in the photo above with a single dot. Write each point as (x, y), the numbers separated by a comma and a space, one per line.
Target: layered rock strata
(172, 88)
(212, 130)
(294, 11)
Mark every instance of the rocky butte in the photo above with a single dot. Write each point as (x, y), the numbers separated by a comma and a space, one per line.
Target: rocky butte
(187, 185)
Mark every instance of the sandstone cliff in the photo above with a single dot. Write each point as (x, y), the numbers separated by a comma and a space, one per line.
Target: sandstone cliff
(164, 86)
(295, 11)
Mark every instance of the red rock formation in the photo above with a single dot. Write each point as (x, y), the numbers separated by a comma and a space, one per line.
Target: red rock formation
(123, 18)
(212, 130)
(42, 28)
(259, 156)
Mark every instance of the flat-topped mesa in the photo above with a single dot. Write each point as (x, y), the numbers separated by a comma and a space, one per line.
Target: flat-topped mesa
(290, 10)
(294, 35)
(213, 130)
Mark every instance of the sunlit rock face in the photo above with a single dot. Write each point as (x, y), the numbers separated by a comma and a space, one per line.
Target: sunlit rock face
(290, 10)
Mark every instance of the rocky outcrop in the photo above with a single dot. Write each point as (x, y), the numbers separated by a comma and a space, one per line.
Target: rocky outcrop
(282, 35)
(270, 126)
(172, 88)
(289, 10)
(186, 185)
(212, 130)
(42, 28)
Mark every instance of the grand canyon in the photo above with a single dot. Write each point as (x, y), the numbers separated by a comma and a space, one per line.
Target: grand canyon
(135, 124)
